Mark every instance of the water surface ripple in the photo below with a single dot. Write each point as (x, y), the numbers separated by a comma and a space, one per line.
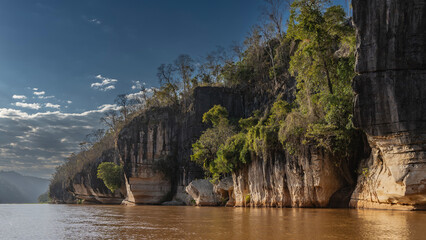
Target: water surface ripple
(44, 221)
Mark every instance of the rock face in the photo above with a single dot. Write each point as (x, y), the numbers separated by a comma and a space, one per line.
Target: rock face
(161, 140)
(390, 103)
(283, 180)
(156, 146)
(88, 187)
(225, 190)
(201, 191)
(146, 145)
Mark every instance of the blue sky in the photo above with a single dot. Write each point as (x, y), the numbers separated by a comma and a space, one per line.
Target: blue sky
(63, 62)
(60, 46)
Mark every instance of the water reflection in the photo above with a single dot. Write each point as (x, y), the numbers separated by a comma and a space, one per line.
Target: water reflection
(161, 222)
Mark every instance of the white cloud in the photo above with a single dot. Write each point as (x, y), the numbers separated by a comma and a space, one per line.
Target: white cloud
(105, 84)
(111, 87)
(35, 89)
(108, 107)
(95, 21)
(19, 97)
(39, 93)
(50, 105)
(41, 141)
(148, 92)
(45, 97)
(35, 106)
(137, 85)
(69, 102)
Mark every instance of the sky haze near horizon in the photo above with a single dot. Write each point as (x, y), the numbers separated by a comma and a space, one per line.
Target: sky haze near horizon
(62, 63)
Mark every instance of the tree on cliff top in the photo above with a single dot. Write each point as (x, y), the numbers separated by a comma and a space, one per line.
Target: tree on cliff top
(323, 65)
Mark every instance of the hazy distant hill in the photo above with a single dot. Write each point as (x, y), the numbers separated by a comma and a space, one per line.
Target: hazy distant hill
(16, 188)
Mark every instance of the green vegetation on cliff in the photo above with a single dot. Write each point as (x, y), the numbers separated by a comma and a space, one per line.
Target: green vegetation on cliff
(111, 174)
(322, 62)
(323, 65)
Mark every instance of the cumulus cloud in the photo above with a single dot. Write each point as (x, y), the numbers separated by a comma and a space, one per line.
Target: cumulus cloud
(19, 97)
(34, 106)
(51, 105)
(39, 93)
(34, 144)
(69, 102)
(105, 84)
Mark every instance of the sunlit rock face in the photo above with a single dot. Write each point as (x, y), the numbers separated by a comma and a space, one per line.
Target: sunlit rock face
(279, 179)
(88, 187)
(390, 103)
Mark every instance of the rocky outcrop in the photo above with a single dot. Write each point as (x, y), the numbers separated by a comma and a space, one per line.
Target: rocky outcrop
(88, 187)
(155, 147)
(201, 190)
(390, 103)
(147, 148)
(280, 179)
(225, 190)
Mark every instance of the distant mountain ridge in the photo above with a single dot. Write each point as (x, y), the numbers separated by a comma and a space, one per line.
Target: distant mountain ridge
(17, 188)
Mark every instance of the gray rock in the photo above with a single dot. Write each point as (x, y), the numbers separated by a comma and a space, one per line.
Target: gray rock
(390, 103)
(161, 139)
(201, 190)
(225, 189)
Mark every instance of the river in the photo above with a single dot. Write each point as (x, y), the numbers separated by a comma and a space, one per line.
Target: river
(45, 221)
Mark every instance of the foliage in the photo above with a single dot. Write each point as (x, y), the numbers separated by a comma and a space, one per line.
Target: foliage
(247, 199)
(111, 174)
(216, 115)
(205, 148)
(231, 155)
(224, 154)
(323, 66)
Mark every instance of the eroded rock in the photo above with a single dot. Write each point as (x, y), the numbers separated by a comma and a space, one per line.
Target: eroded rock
(225, 190)
(283, 180)
(390, 103)
(201, 190)
(88, 187)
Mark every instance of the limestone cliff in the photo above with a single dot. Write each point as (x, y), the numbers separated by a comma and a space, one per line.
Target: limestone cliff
(390, 102)
(88, 187)
(156, 146)
(147, 141)
(314, 178)
(387, 168)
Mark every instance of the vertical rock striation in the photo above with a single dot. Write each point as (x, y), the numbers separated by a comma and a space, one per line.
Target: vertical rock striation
(88, 187)
(279, 179)
(155, 147)
(147, 147)
(390, 103)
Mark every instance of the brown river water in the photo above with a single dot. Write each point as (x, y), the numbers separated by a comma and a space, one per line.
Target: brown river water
(44, 221)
